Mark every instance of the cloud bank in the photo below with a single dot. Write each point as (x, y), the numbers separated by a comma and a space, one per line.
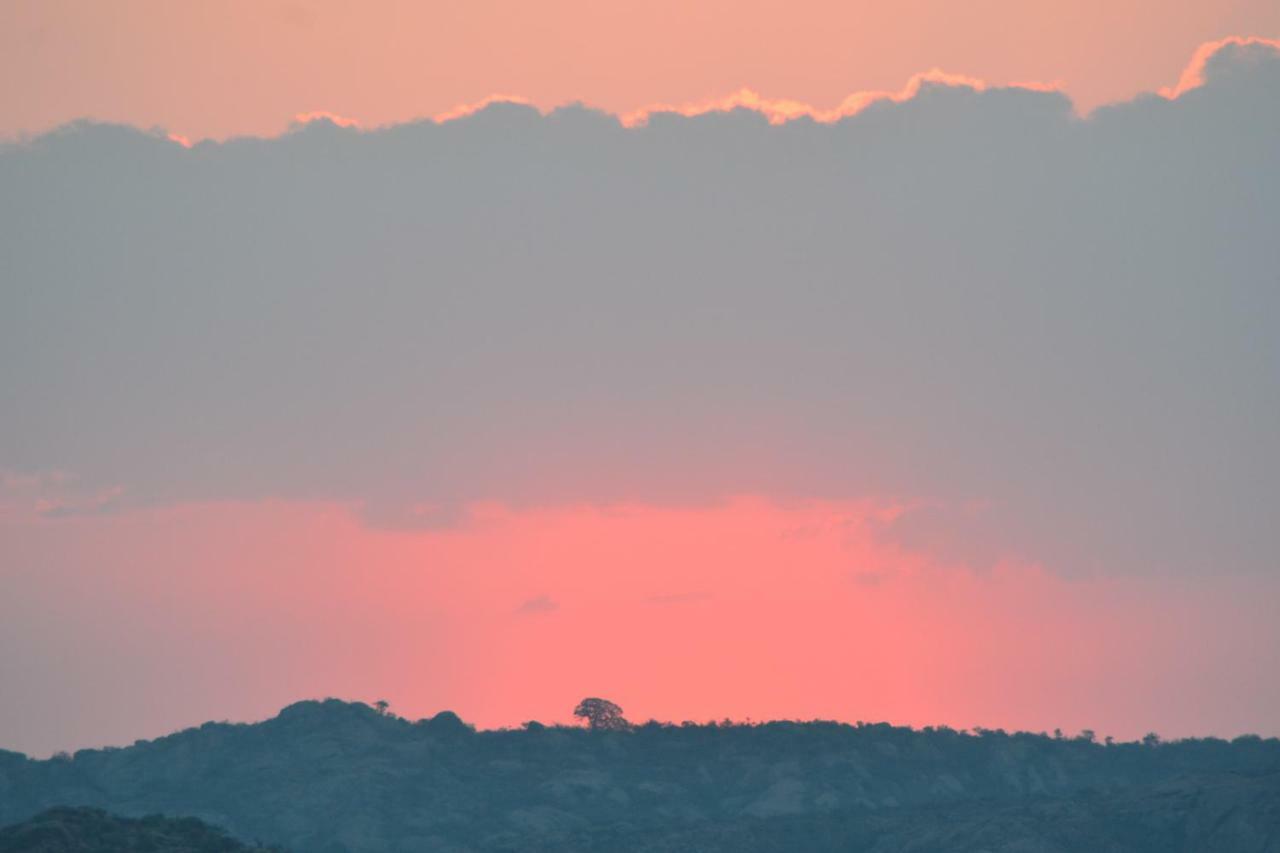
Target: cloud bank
(1045, 336)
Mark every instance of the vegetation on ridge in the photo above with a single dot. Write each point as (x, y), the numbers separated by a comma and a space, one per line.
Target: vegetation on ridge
(334, 776)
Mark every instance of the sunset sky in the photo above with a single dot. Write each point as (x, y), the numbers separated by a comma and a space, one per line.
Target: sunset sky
(481, 356)
(236, 67)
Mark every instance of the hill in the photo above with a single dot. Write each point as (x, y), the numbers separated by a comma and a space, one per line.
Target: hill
(86, 830)
(331, 776)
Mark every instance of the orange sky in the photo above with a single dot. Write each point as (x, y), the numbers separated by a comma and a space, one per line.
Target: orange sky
(248, 66)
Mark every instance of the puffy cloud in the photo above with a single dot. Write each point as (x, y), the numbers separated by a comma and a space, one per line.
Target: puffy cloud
(957, 298)
(324, 116)
(783, 110)
(1220, 58)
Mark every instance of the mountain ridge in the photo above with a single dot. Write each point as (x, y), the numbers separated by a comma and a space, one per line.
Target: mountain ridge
(331, 776)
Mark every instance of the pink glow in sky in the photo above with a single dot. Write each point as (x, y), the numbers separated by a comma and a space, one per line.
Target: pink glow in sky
(161, 619)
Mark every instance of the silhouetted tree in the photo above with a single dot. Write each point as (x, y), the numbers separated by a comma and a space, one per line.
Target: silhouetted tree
(381, 706)
(601, 715)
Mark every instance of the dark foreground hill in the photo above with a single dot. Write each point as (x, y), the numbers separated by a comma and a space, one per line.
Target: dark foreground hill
(331, 776)
(85, 830)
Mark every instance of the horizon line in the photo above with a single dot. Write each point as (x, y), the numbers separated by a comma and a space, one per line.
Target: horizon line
(1086, 735)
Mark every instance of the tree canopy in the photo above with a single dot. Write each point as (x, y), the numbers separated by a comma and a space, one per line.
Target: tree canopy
(601, 714)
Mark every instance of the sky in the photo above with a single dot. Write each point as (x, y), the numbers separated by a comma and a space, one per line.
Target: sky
(844, 361)
(247, 67)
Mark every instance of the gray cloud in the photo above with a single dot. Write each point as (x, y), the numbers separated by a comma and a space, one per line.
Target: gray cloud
(538, 604)
(967, 299)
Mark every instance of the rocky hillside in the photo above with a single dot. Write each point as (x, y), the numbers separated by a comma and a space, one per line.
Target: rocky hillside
(1224, 814)
(332, 776)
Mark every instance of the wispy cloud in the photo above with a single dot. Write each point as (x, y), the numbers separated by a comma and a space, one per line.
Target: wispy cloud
(538, 604)
(679, 598)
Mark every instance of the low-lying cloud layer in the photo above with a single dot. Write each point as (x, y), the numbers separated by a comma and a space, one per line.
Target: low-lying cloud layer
(1049, 337)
